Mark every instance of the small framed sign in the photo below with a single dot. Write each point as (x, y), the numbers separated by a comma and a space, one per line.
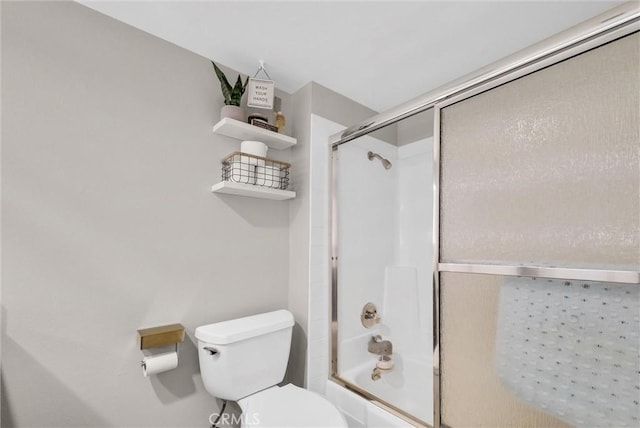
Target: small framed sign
(260, 93)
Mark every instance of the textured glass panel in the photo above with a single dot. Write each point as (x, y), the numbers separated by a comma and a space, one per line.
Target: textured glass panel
(525, 352)
(545, 169)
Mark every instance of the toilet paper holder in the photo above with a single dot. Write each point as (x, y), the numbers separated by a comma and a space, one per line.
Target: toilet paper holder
(155, 337)
(164, 335)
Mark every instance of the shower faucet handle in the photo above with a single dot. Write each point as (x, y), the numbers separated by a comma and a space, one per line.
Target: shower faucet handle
(369, 315)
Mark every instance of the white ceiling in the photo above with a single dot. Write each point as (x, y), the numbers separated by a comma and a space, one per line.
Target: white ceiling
(379, 53)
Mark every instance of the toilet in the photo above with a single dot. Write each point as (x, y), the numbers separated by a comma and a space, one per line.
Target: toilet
(245, 359)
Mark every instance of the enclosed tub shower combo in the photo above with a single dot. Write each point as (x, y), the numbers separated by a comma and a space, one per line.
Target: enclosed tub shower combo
(485, 270)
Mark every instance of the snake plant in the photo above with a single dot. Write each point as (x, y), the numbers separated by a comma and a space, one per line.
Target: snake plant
(232, 96)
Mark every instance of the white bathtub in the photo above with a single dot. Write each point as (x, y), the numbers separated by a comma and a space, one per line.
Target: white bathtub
(408, 386)
(361, 413)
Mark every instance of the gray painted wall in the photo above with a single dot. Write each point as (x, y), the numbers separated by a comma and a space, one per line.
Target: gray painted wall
(108, 224)
(340, 109)
(416, 127)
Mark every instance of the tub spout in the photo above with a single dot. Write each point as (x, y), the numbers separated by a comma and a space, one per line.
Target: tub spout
(380, 347)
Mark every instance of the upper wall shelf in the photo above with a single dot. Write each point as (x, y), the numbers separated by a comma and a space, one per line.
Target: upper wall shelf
(243, 131)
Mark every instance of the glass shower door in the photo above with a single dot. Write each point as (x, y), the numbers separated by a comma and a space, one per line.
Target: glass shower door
(384, 210)
(540, 247)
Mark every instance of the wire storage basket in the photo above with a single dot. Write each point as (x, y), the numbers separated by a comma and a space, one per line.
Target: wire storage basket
(250, 169)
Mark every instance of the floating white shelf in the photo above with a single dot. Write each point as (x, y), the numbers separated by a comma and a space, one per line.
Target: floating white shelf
(240, 189)
(243, 131)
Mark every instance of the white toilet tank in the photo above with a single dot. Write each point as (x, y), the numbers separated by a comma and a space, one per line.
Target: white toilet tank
(245, 355)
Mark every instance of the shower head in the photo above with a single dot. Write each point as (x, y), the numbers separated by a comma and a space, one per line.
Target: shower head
(385, 162)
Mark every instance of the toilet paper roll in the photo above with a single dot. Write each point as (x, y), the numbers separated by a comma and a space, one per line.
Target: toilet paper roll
(268, 176)
(242, 171)
(159, 363)
(256, 148)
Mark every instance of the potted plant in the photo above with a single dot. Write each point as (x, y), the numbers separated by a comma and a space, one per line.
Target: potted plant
(232, 95)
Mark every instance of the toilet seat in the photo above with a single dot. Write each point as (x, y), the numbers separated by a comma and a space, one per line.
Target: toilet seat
(289, 406)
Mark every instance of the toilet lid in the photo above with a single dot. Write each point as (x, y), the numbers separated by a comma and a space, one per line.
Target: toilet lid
(289, 406)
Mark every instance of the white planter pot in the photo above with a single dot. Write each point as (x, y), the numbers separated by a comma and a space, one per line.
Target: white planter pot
(232, 112)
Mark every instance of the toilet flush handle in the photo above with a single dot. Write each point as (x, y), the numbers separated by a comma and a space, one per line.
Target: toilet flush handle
(210, 350)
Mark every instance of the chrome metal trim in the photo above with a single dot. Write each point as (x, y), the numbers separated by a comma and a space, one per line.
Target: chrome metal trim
(619, 276)
(407, 417)
(585, 35)
(551, 59)
(333, 226)
(436, 260)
